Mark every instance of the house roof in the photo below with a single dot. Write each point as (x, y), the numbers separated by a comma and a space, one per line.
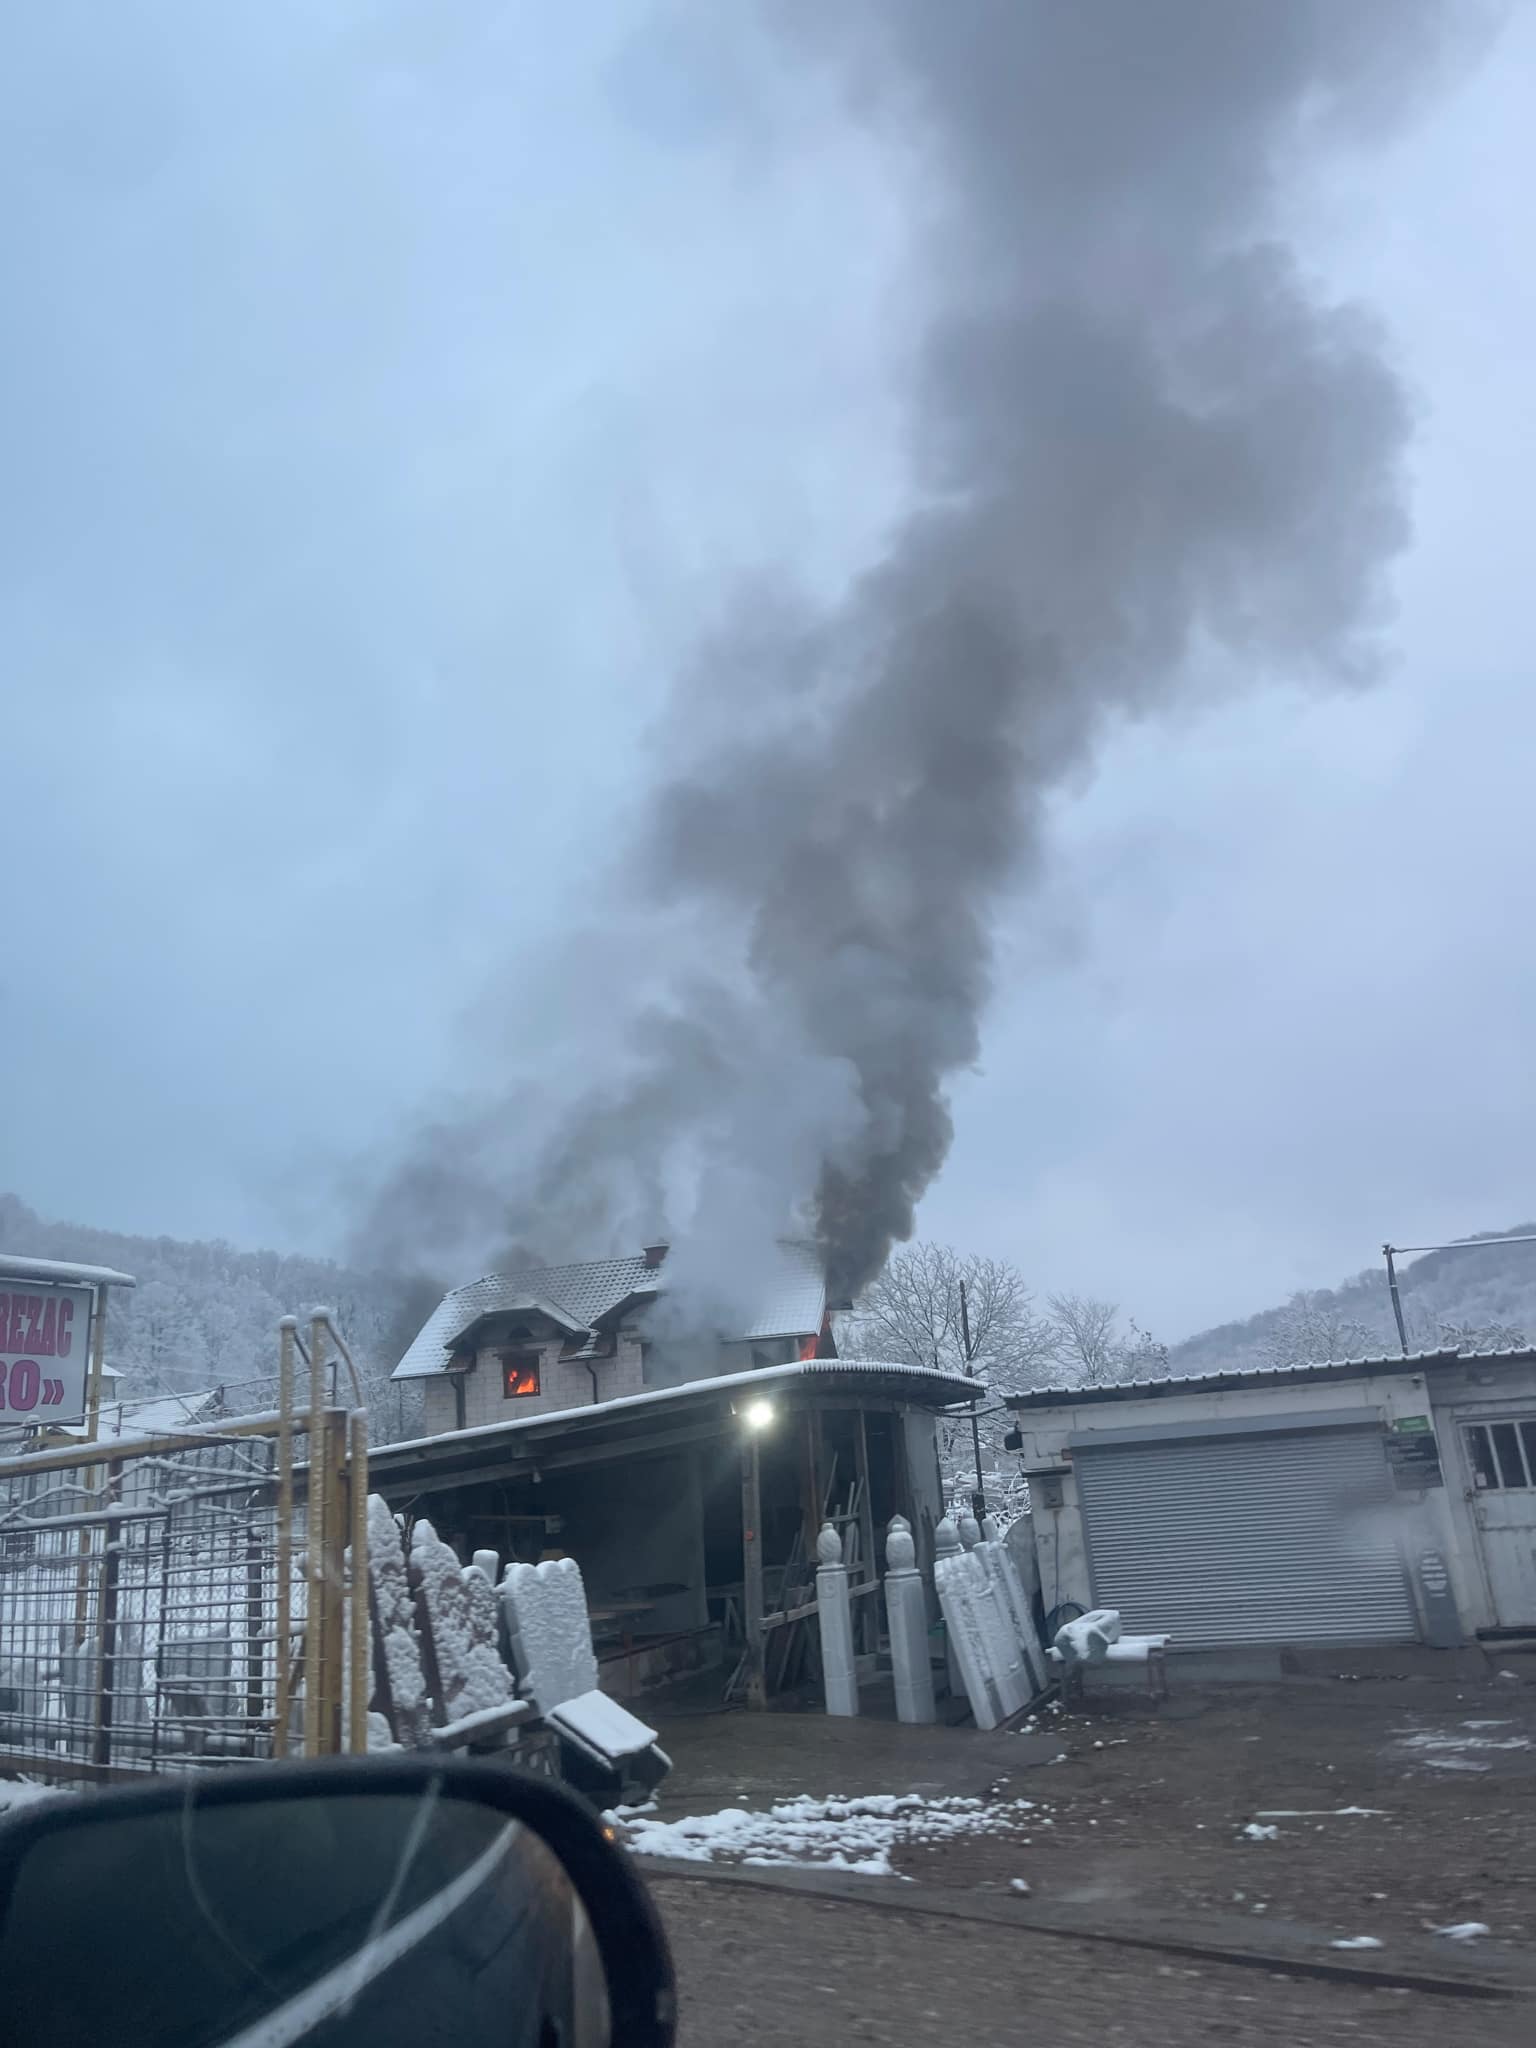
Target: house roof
(1395, 1362)
(151, 1415)
(792, 1299)
(618, 1427)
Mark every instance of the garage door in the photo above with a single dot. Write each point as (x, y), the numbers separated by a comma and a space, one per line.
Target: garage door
(1247, 1539)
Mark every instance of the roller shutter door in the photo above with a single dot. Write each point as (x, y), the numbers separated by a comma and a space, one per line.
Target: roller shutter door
(1247, 1539)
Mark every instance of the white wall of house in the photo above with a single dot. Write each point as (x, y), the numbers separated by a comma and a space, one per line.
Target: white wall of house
(1481, 1390)
(1433, 1522)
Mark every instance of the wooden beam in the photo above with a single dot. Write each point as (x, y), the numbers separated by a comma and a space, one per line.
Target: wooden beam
(869, 1619)
(810, 1479)
(752, 1570)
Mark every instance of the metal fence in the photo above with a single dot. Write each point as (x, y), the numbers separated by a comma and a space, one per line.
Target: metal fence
(183, 1600)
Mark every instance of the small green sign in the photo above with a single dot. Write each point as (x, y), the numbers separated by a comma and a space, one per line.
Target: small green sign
(1413, 1425)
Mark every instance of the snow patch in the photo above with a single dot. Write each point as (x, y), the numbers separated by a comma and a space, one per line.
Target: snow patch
(1433, 1741)
(600, 1724)
(1256, 1833)
(1356, 1941)
(1322, 1813)
(832, 1834)
(1464, 1930)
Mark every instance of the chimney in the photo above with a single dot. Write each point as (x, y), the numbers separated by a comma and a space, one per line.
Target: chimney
(654, 1254)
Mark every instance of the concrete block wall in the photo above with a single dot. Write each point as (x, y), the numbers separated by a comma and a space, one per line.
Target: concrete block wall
(563, 1383)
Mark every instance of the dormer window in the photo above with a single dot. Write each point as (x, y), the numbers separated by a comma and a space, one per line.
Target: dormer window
(519, 1374)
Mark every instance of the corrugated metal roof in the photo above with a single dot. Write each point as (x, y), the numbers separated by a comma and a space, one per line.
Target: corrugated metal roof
(1261, 1375)
(792, 1300)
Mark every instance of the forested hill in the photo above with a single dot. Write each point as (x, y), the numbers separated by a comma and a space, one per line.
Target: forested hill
(205, 1315)
(1480, 1295)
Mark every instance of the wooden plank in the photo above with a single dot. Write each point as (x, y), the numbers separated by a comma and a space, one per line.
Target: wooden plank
(752, 1571)
(782, 1619)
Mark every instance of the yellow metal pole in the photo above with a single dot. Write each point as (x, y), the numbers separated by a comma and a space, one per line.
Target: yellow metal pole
(283, 1547)
(360, 1587)
(98, 1356)
(334, 1577)
(92, 1425)
(314, 1546)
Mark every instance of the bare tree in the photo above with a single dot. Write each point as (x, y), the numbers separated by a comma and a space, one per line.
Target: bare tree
(912, 1314)
(1084, 1342)
(1313, 1328)
(1494, 1336)
(1089, 1348)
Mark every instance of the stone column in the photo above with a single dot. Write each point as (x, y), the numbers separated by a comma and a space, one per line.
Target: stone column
(835, 1613)
(906, 1612)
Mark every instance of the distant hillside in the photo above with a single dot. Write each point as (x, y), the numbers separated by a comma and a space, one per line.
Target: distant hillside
(1478, 1298)
(205, 1315)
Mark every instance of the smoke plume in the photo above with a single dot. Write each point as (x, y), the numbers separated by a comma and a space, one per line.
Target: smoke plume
(1148, 455)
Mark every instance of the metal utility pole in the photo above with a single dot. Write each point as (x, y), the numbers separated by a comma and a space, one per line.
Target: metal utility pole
(1388, 1254)
(1392, 1252)
(978, 1498)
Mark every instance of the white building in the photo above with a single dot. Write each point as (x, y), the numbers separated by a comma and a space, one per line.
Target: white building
(1364, 1500)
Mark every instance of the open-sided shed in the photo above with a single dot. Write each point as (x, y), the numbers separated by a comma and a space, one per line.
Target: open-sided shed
(693, 1511)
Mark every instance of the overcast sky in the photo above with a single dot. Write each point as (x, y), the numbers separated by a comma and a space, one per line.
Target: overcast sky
(387, 396)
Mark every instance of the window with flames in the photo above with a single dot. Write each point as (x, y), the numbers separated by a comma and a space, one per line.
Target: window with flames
(519, 1374)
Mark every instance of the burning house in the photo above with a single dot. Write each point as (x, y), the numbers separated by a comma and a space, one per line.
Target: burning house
(547, 1338)
(570, 1412)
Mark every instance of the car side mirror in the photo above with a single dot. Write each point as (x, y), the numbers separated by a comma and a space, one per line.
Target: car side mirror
(368, 1900)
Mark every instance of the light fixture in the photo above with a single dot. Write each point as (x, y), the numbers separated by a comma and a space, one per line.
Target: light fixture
(758, 1414)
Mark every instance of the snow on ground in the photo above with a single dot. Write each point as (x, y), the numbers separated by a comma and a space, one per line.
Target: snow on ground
(835, 1834)
(1438, 1750)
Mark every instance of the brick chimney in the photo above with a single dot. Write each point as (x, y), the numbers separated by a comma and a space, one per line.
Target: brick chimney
(654, 1254)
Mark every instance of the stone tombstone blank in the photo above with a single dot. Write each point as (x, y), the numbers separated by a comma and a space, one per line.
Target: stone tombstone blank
(456, 1609)
(906, 1611)
(987, 1651)
(399, 1682)
(545, 1609)
(834, 1612)
(998, 1562)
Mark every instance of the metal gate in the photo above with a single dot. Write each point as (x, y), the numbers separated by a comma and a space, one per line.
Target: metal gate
(1247, 1539)
(185, 1599)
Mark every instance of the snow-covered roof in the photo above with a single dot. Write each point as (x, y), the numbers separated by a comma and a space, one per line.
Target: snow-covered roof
(163, 1416)
(155, 1415)
(925, 1385)
(1262, 1375)
(791, 1301)
(14, 1267)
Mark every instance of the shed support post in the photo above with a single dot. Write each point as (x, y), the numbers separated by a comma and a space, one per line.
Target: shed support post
(752, 1570)
(869, 1564)
(906, 1610)
(834, 1611)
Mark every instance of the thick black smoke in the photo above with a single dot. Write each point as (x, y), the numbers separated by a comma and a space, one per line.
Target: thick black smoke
(1146, 450)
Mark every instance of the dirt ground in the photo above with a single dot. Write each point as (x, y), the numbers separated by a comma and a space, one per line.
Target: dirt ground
(1138, 1829)
(1155, 1817)
(785, 1972)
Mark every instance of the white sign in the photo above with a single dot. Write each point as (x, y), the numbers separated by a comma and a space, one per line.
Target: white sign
(45, 1351)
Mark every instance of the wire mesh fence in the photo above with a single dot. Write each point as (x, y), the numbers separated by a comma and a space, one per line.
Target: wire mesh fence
(153, 1601)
